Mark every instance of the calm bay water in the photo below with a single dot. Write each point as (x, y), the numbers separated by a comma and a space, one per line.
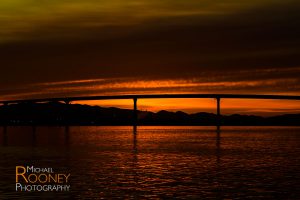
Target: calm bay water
(157, 162)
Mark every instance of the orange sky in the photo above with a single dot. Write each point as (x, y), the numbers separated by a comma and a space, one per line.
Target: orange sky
(228, 106)
(100, 87)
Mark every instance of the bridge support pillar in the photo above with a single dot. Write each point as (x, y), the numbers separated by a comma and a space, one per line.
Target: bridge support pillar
(67, 114)
(135, 111)
(218, 111)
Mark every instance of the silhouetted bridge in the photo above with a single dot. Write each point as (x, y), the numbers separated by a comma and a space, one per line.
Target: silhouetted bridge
(218, 97)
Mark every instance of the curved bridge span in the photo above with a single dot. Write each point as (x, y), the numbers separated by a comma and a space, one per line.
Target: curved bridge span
(135, 98)
(157, 96)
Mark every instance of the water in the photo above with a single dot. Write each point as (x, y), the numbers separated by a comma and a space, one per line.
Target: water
(157, 162)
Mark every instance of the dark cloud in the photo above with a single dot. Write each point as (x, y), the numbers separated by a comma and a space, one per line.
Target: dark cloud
(256, 42)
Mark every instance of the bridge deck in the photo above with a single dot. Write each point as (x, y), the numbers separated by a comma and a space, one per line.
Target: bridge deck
(158, 96)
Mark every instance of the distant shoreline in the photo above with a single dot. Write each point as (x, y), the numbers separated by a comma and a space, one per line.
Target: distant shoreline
(59, 114)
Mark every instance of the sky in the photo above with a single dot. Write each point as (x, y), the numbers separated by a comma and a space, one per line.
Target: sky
(58, 48)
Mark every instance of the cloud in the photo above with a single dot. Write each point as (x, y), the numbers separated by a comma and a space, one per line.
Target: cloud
(148, 46)
(265, 81)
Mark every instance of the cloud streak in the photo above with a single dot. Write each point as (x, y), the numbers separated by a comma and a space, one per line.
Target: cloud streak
(266, 81)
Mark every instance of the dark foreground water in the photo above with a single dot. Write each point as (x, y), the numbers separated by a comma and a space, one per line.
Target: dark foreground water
(157, 162)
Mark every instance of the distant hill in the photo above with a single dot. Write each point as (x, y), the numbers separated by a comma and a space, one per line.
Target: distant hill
(55, 113)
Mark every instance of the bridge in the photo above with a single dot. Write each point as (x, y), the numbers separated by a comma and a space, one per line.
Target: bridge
(135, 98)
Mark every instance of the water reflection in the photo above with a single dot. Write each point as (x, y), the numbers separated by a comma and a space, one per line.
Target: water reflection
(67, 135)
(218, 145)
(161, 162)
(34, 137)
(135, 140)
(218, 164)
(4, 135)
(135, 164)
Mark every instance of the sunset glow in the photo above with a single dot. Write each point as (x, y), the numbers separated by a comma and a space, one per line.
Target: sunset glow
(229, 106)
(86, 48)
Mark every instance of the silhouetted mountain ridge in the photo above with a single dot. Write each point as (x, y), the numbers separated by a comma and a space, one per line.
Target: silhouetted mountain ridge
(55, 113)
